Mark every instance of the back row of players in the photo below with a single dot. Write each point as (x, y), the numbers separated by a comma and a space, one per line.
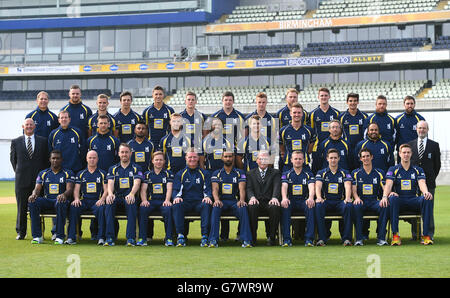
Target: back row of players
(76, 130)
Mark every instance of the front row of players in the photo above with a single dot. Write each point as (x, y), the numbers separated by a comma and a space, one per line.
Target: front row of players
(193, 190)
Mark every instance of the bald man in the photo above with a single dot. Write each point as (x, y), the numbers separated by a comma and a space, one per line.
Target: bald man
(429, 161)
(28, 156)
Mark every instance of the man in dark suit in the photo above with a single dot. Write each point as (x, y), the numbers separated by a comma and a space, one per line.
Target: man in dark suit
(28, 156)
(263, 193)
(427, 155)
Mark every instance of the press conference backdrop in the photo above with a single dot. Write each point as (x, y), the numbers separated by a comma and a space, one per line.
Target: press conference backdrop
(11, 127)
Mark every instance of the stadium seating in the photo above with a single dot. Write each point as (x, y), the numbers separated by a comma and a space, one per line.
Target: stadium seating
(364, 46)
(274, 51)
(53, 94)
(260, 13)
(348, 8)
(440, 91)
(443, 42)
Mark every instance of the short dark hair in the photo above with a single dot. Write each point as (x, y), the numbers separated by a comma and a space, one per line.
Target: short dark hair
(228, 93)
(56, 151)
(332, 150)
(324, 89)
(365, 150)
(125, 93)
(409, 97)
(354, 95)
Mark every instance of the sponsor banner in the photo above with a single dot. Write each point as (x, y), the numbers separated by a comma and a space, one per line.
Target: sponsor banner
(134, 67)
(417, 56)
(367, 58)
(3, 69)
(43, 69)
(214, 65)
(319, 60)
(311, 23)
(271, 63)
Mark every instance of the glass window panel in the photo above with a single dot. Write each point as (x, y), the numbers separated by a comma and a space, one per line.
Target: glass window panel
(54, 85)
(52, 42)
(194, 81)
(348, 77)
(130, 83)
(68, 83)
(96, 84)
(239, 81)
(163, 39)
(258, 80)
(159, 81)
(328, 36)
(253, 39)
(73, 45)
(213, 41)
(362, 33)
(187, 36)
(395, 32)
(36, 85)
(225, 42)
(5, 44)
(152, 39)
(317, 36)
(92, 41)
(368, 76)
(122, 40)
(278, 38)
(11, 85)
(284, 79)
(106, 41)
(322, 78)
(137, 40)
(34, 46)
(288, 37)
(374, 33)
(385, 32)
(415, 74)
(420, 30)
(175, 38)
(18, 43)
(408, 31)
(393, 75)
(218, 81)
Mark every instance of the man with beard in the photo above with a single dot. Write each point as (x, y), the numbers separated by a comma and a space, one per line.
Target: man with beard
(386, 123)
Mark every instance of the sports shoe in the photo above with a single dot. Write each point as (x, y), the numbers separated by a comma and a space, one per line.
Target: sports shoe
(213, 243)
(347, 243)
(287, 243)
(70, 241)
(381, 242)
(168, 242)
(101, 241)
(359, 243)
(204, 241)
(109, 242)
(58, 241)
(181, 241)
(131, 242)
(320, 243)
(426, 240)
(246, 244)
(141, 242)
(37, 240)
(396, 240)
(53, 237)
(309, 243)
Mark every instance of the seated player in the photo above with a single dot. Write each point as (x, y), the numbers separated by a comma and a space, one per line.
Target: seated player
(297, 193)
(57, 184)
(89, 193)
(124, 180)
(191, 192)
(333, 192)
(367, 189)
(403, 182)
(156, 195)
(228, 190)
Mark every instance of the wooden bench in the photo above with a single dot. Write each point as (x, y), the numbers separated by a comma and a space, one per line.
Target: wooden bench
(416, 217)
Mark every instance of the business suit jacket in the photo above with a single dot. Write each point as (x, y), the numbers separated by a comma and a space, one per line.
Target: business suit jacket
(26, 170)
(430, 162)
(264, 190)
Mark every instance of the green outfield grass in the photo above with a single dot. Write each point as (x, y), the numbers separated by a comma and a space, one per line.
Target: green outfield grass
(21, 259)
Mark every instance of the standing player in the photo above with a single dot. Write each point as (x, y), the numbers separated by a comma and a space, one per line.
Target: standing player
(383, 153)
(69, 141)
(214, 145)
(284, 115)
(57, 184)
(248, 148)
(320, 119)
(193, 121)
(268, 123)
(79, 112)
(89, 193)
(296, 136)
(43, 118)
(352, 122)
(156, 194)
(334, 194)
(297, 193)
(157, 116)
(104, 143)
(175, 145)
(232, 119)
(367, 188)
(336, 141)
(126, 118)
(102, 109)
(403, 183)
(228, 190)
(386, 123)
(406, 123)
(141, 148)
(124, 180)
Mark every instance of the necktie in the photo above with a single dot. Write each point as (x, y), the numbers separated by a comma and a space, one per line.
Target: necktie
(29, 148)
(263, 174)
(421, 149)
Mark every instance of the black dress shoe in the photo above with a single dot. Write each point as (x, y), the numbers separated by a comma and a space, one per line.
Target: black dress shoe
(271, 242)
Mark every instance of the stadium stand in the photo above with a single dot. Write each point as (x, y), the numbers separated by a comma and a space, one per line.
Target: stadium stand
(260, 13)
(266, 51)
(346, 8)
